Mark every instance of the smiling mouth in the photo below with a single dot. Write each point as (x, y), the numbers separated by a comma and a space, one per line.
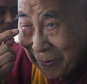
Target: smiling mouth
(47, 63)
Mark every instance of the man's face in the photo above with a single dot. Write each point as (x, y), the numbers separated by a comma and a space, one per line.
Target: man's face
(8, 11)
(51, 33)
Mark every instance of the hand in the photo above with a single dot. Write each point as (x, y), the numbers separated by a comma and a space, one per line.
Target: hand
(7, 54)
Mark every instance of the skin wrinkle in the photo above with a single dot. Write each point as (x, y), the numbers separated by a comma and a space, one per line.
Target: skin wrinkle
(64, 42)
(35, 3)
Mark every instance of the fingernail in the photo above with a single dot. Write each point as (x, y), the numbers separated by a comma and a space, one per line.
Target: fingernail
(15, 31)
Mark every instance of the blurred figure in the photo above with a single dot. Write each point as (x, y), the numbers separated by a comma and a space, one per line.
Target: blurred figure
(8, 11)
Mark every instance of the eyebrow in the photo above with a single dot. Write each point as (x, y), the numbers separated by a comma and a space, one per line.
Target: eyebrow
(22, 14)
(48, 14)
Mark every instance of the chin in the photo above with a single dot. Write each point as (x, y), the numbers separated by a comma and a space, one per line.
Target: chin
(52, 75)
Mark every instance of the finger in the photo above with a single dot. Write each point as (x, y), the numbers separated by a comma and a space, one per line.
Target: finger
(5, 48)
(8, 34)
(4, 70)
(7, 57)
(9, 42)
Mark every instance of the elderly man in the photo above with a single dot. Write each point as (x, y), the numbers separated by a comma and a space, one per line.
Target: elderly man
(54, 36)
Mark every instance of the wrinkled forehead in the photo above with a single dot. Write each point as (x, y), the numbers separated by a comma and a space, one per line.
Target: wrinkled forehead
(28, 5)
(8, 2)
(34, 3)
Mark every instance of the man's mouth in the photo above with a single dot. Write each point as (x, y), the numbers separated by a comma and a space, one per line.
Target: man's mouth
(47, 63)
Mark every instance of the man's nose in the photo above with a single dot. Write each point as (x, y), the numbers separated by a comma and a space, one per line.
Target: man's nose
(40, 43)
(8, 17)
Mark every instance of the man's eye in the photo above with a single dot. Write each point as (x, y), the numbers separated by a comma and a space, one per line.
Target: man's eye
(27, 26)
(51, 25)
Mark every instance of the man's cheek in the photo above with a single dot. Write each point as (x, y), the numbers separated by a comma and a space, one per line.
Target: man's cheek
(25, 37)
(59, 42)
